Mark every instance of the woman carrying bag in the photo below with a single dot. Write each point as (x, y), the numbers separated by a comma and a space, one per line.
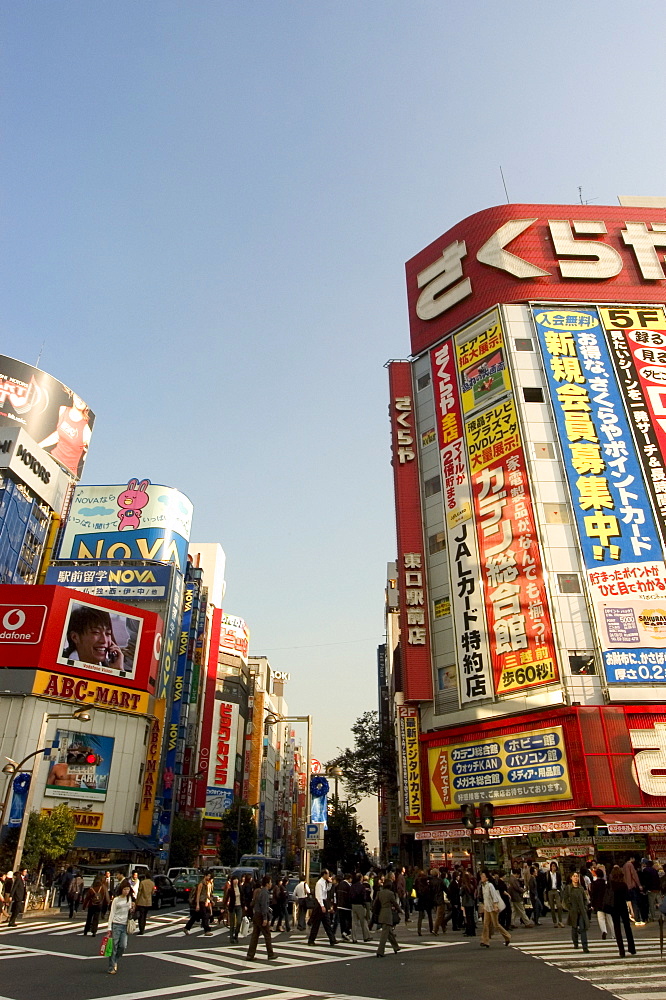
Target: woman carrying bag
(493, 905)
(120, 925)
(575, 900)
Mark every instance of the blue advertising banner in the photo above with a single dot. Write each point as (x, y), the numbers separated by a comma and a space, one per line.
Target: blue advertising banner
(176, 704)
(611, 504)
(621, 546)
(145, 583)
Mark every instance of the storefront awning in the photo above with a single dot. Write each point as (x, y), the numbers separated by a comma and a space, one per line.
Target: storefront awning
(635, 822)
(125, 842)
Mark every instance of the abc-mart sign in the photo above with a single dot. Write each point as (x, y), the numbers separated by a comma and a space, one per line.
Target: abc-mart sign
(519, 253)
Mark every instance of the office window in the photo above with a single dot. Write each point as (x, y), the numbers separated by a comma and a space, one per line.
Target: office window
(568, 583)
(523, 344)
(432, 486)
(437, 542)
(533, 395)
(423, 381)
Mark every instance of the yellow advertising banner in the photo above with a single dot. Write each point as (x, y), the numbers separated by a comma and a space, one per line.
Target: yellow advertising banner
(410, 764)
(96, 694)
(492, 435)
(153, 754)
(482, 365)
(83, 820)
(507, 770)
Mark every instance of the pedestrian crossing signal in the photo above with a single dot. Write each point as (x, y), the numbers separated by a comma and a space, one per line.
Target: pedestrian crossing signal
(469, 817)
(486, 811)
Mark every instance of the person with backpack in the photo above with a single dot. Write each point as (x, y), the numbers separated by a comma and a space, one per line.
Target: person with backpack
(94, 899)
(201, 906)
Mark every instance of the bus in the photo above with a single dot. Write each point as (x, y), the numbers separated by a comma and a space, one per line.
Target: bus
(265, 865)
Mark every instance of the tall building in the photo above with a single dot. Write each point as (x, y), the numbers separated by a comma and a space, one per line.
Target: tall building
(529, 461)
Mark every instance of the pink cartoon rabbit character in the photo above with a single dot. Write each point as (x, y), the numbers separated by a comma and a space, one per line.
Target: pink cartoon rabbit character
(131, 502)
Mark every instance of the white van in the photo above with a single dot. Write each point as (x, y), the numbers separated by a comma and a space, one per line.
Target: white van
(90, 872)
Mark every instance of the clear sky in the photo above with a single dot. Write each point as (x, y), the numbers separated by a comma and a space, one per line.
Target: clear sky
(206, 208)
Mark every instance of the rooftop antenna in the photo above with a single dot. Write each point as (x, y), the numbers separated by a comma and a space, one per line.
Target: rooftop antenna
(39, 356)
(504, 183)
(588, 201)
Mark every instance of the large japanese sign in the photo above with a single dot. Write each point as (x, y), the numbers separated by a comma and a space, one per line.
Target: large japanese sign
(222, 763)
(80, 766)
(149, 582)
(506, 770)
(410, 763)
(235, 637)
(151, 772)
(516, 602)
(52, 414)
(522, 253)
(412, 582)
(473, 661)
(139, 521)
(621, 546)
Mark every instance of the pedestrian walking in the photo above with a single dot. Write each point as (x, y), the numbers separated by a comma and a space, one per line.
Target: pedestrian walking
(554, 893)
(122, 908)
(601, 906)
(619, 893)
(649, 878)
(359, 894)
(234, 907)
(301, 896)
(575, 900)
(535, 899)
(423, 900)
(201, 906)
(74, 894)
(108, 885)
(247, 893)
(279, 902)
(260, 919)
(321, 913)
(516, 890)
(388, 912)
(468, 903)
(93, 900)
(633, 883)
(439, 899)
(144, 901)
(343, 907)
(493, 905)
(19, 896)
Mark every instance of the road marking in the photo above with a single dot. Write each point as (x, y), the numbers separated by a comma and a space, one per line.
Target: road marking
(626, 978)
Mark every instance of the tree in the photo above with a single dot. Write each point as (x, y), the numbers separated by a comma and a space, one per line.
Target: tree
(371, 763)
(344, 844)
(230, 849)
(49, 836)
(185, 841)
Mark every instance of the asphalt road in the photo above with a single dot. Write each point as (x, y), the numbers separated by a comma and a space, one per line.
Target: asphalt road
(50, 958)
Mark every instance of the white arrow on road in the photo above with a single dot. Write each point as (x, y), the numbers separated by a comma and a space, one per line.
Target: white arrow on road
(492, 252)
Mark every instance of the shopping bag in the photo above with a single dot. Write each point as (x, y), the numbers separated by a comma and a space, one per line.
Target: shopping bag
(244, 928)
(131, 926)
(103, 944)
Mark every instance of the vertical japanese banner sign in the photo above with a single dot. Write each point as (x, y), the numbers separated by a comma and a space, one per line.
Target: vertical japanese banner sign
(151, 773)
(177, 702)
(412, 584)
(206, 738)
(621, 548)
(410, 763)
(474, 663)
(517, 609)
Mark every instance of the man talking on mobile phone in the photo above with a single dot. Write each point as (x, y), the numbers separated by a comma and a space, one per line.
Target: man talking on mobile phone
(90, 639)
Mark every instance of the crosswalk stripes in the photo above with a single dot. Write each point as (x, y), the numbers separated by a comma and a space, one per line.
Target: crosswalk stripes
(631, 978)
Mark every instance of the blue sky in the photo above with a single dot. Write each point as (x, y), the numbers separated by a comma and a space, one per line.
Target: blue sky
(206, 210)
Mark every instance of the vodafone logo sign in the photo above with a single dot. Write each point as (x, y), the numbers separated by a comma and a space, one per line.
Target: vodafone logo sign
(23, 624)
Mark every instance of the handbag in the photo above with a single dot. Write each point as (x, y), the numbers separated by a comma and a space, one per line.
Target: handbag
(131, 925)
(609, 899)
(662, 906)
(309, 902)
(396, 918)
(106, 940)
(244, 928)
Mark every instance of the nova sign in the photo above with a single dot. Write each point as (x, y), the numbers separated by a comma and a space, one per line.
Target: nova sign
(517, 253)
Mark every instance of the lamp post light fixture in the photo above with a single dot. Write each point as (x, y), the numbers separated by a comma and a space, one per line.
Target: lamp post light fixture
(12, 768)
(272, 719)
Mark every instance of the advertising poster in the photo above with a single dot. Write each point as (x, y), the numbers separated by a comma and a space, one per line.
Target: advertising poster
(81, 765)
(222, 762)
(235, 637)
(481, 361)
(139, 521)
(119, 582)
(53, 415)
(410, 763)
(105, 640)
(508, 770)
(474, 663)
(151, 772)
(33, 466)
(516, 601)
(619, 538)
(637, 342)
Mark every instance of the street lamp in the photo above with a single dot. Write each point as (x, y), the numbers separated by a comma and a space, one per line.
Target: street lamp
(272, 719)
(12, 768)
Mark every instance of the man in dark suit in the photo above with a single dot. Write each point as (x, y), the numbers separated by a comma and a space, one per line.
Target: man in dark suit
(19, 897)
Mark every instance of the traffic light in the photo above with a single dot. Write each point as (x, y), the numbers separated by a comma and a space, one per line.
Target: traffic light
(469, 817)
(486, 812)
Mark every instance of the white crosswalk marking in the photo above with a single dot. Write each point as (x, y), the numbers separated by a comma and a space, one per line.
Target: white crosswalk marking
(629, 978)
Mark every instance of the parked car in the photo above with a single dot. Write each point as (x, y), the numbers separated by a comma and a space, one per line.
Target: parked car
(165, 893)
(291, 885)
(245, 870)
(175, 873)
(185, 885)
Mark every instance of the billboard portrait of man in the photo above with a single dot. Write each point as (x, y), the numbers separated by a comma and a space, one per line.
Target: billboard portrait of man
(101, 639)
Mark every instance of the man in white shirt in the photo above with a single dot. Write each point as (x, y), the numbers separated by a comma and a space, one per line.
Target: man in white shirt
(320, 912)
(301, 893)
